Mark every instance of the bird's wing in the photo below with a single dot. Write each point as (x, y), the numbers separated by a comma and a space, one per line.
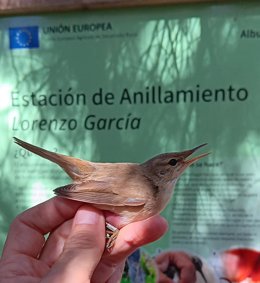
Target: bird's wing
(97, 193)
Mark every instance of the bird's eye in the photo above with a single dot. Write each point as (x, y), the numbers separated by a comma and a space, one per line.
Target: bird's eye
(173, 162)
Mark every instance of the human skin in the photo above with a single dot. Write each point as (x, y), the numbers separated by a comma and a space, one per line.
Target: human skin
(75, 249)
(181, 260)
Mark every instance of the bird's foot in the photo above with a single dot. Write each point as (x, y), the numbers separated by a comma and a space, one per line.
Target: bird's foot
(111, 235)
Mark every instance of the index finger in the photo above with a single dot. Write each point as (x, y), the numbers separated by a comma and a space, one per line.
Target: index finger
(26, 234)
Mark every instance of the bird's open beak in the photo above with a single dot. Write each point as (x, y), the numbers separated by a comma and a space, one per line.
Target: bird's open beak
(187, 153)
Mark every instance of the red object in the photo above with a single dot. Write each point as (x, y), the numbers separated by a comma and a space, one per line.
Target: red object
(241, 264)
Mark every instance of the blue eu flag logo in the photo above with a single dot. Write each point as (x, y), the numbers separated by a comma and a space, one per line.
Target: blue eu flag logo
(24, 37)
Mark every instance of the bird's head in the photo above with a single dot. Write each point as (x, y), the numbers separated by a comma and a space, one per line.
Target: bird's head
(169, 166)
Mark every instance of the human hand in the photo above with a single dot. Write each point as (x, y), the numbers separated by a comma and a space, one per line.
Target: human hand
(74, 250)
(182, 262)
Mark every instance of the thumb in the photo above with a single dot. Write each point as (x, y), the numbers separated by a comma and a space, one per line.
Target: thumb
(83, 248)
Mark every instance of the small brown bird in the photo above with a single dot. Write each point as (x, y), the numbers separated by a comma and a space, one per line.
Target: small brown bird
(127, 192)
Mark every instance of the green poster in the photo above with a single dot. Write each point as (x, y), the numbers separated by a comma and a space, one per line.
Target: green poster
(125, 85)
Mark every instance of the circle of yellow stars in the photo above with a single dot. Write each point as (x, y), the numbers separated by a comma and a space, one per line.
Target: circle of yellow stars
(23, 37)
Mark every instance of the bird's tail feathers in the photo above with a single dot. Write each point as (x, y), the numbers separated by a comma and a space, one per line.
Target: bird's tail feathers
(74, 167)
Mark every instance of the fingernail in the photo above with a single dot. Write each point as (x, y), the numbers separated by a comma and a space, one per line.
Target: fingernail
(86, 217)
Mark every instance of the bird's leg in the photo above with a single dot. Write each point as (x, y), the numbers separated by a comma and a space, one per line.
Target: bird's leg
(111, 235)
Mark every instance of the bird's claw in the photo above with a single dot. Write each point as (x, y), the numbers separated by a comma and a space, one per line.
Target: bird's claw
(111, 235)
